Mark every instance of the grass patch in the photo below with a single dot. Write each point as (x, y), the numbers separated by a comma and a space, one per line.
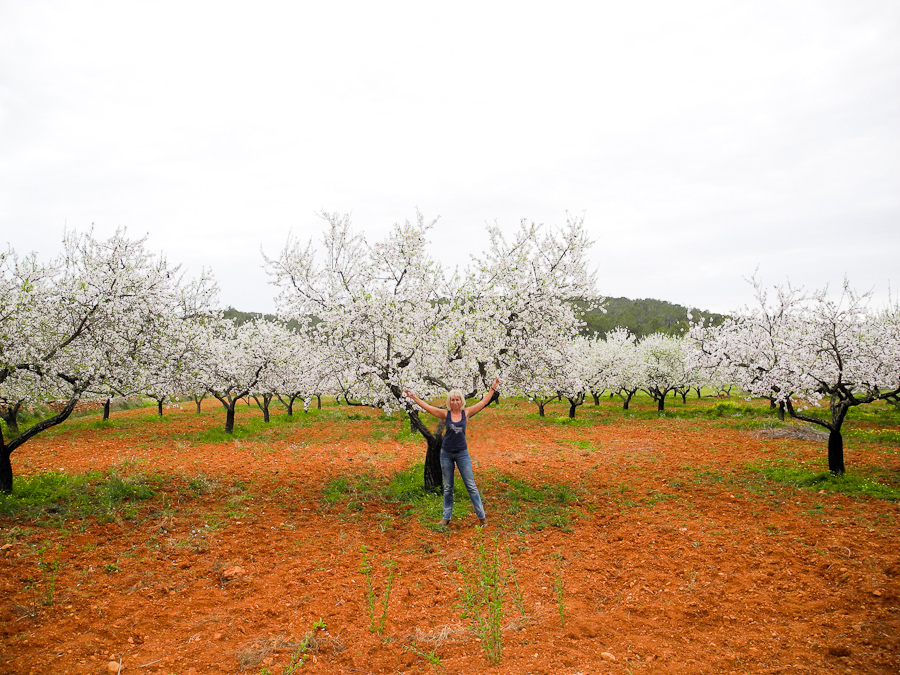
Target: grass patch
(526, 506)
(59, 496)
(404, 488)
(849, 484)
(560, 420)
(279, 425)
(533, 507)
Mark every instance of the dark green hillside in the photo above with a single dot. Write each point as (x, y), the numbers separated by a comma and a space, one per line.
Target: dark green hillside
(642, 317)
(243, 317)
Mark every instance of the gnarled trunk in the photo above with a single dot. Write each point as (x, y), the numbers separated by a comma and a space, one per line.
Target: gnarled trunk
(836, 452)
(6, 449)
(433, 479)
(106, 410)
(264, 405)
(229, 418)
(10, 413)
(6, 474)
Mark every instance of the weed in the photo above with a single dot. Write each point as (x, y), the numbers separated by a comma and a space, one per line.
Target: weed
(483, 591)
(50, 570)
(513, 581)
(377, 626)
(299, 654)
(558, 590)
(431, 657)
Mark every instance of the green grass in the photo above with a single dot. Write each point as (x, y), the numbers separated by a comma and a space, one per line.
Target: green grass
(532, 507)
(278, 426)
(850, 484)
(59, 496)
(526, 506)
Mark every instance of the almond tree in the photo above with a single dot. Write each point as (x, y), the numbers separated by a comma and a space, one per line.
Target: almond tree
(285, 351)
(233, 359)
(384, 311)
(68, 326)
(395, 319)
(618, 360)
(663, 365)
(805, 348)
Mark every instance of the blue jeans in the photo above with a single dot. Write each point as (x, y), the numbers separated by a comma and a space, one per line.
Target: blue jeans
(464, 463)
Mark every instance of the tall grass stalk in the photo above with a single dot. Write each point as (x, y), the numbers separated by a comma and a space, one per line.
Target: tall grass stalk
(377, 625)
(483, 592)
(559, 589)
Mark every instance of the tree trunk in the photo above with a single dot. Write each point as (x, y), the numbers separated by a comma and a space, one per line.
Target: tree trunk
(626, 400)
(661, 403)
(10, 415)
(697, 389)
(541, 409)
(432, 476)
(6, 474)
(781, 411)
(836, 452)
(573, 404)
(198, 405)
(264, 406)
(6, 449)
(684, 396)
(159, 408)
(106, 410)
(596, 397)
(318, 401)
(229, 419)
(289, 404)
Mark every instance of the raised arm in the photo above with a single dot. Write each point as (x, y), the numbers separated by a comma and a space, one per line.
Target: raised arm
(440, 413)
(473, 410)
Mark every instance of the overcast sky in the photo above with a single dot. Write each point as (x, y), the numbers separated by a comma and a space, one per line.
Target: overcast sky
(701, 140)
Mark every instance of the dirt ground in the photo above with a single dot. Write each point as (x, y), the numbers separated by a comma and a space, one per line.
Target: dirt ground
(679, 556)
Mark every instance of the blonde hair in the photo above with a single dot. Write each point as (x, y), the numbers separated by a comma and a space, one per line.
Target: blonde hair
(456, 392)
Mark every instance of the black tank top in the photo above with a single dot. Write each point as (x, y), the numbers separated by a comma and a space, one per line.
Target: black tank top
(455, 433)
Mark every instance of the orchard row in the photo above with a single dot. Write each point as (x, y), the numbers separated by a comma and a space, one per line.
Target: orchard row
(107, 318)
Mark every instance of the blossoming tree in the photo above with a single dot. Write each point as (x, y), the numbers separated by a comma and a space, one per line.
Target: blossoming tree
(396, 319)
(805, 348)
(68, 326)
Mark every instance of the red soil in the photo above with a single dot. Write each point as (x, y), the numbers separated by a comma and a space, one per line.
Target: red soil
(679, 559)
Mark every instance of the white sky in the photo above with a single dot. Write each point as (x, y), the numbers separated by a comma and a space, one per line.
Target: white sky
(701, 140)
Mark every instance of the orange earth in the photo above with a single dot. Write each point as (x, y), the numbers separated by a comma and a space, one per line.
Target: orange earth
(678, 555)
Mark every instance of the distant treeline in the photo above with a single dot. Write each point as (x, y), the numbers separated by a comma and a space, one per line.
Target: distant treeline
(641, 317)
(240, 317)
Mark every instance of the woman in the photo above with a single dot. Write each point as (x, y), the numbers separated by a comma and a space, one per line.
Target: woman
(454, 450)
